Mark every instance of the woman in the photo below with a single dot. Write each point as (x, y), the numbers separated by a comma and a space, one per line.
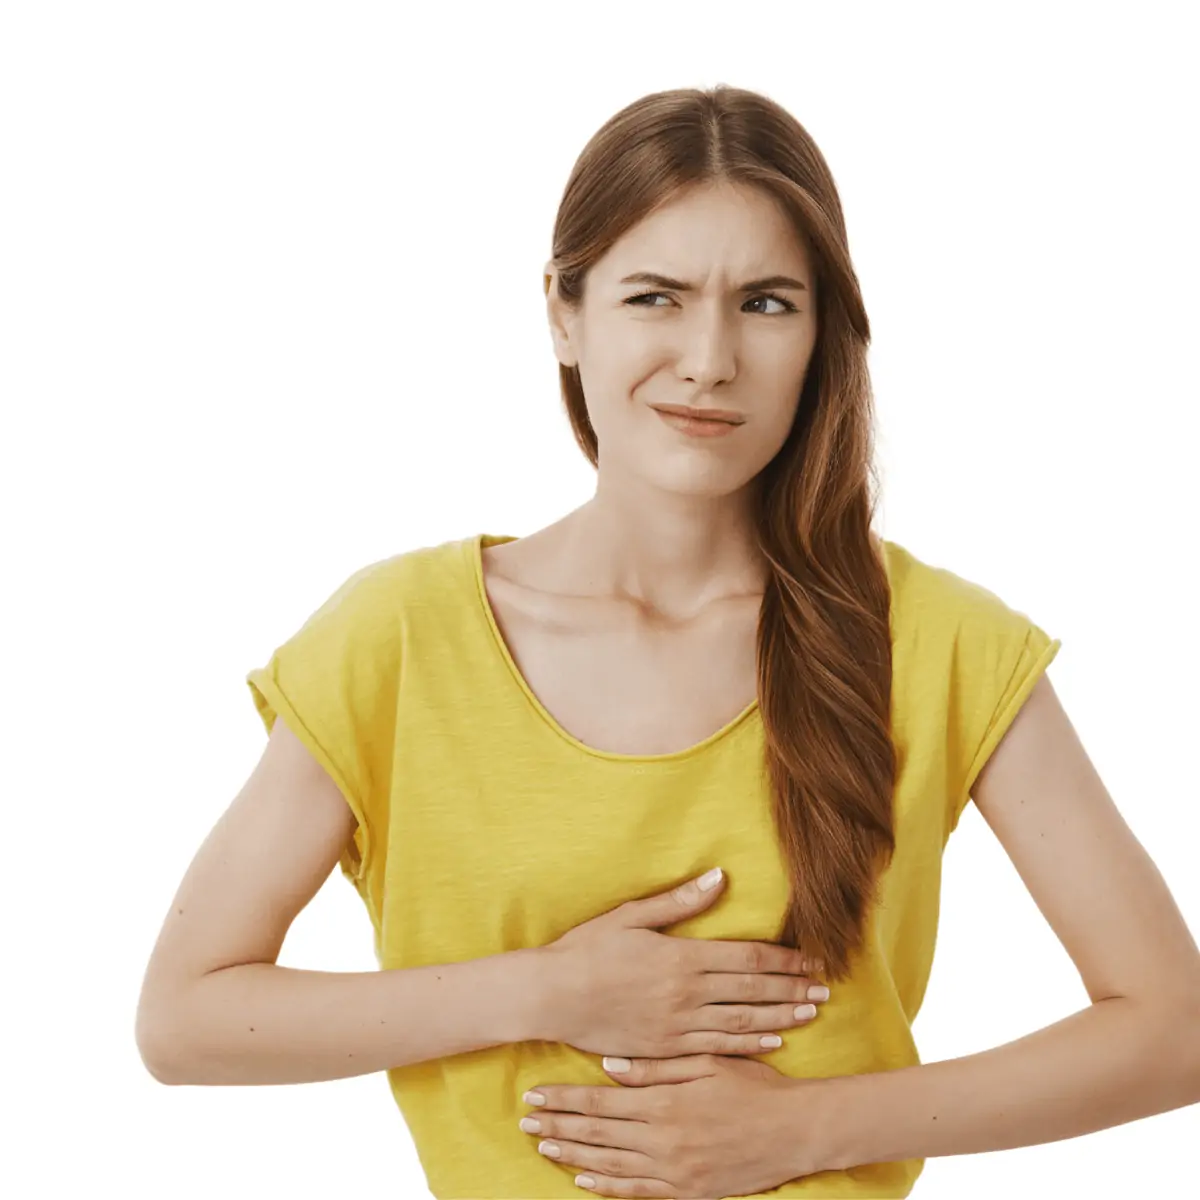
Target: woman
(521, 750)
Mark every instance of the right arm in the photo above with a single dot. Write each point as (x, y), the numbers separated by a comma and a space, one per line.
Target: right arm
(216, 1009)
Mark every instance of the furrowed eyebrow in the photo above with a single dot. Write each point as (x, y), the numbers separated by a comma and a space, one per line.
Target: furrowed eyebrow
(677, 285)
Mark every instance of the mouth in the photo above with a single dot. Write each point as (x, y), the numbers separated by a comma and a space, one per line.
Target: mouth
(720, 415)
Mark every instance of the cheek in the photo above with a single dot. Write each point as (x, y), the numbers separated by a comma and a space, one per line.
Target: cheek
(619, 390)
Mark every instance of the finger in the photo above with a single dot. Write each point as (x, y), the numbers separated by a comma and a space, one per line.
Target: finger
(599, 1101)
(607, 1160)
(608, 1185)
(636, 1137)
(755, 1018)
(752, 957)
(712, 1041)
(716, 988)
(645, 1072)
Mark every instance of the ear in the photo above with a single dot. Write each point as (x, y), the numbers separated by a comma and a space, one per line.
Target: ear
(560, 316)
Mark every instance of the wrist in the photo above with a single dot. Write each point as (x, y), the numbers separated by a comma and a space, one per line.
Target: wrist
(817, 1126)
(532, 993)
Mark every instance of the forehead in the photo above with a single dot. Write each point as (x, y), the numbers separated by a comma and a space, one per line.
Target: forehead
(723, 227)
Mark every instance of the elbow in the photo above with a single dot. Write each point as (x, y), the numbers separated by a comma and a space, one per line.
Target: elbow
(156, 1047)
(1191, 1038)
(1183, 1040)
(156, 1062)
(1177, 1048)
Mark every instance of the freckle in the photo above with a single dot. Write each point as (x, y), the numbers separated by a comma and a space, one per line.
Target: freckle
(251, 1028)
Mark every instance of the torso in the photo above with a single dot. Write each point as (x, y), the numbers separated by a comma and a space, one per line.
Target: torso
(613, 679)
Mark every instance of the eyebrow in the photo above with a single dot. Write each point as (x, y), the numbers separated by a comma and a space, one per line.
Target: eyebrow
(677, 285)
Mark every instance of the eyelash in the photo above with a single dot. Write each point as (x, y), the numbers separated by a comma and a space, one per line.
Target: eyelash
(788, 305)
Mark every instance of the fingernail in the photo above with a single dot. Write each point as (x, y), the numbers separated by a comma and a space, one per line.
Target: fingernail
(618, 1066)
(771, 1041)
(804, 1011)
(818, 993)
(549, 1148)
(534, 1098)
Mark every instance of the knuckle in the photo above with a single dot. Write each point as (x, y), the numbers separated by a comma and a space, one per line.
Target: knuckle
(749, 987)
(593, 1131)
(754, 957)
(610, 1162)
(681, 983)
(726, 1043)
(741, 1020)
(679, 998)
(680, 954)
(669, 1147)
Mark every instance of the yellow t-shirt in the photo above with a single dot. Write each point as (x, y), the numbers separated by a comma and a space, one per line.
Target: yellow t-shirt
(484, 826)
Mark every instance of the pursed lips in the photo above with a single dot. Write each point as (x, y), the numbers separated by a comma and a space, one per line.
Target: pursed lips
(700, 414)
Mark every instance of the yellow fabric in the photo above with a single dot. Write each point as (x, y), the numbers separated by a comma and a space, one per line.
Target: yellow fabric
(483, 827)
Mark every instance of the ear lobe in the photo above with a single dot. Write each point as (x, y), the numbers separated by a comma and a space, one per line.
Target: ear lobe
(561, 351)
(559, 333)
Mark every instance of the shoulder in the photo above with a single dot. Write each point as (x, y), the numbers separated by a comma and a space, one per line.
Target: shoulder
(378, 589)
(958, 643)
(965, 658)
(930, 600)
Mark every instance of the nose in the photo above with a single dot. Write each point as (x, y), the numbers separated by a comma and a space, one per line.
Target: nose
(707, 352)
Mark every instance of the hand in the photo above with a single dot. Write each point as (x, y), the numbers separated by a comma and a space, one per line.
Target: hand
(613, 985)
(698, 1126)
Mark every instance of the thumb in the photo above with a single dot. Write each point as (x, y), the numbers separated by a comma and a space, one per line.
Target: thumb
(676, 905)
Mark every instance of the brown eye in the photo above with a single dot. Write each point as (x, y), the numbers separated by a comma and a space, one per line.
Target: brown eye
(788, 306)
(641, 296)
(638, 301)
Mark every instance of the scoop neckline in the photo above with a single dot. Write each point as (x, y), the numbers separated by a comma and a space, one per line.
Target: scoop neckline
(473, 548)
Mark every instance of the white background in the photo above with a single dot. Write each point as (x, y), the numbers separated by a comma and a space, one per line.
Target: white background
(271, 278)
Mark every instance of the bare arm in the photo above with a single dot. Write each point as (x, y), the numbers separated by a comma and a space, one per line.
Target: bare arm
(216, 1009)
(261, 1023)
(1134, 1053)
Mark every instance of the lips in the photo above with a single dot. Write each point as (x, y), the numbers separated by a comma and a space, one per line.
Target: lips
(721, 415)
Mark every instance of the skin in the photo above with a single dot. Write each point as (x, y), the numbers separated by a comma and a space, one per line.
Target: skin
(669, 528)
(668, 539)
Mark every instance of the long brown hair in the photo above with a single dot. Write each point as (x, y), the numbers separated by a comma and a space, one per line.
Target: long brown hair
(824, 641)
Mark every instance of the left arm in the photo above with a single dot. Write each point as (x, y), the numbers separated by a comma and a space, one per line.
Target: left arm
(1133, 1053)
(1117, 1061)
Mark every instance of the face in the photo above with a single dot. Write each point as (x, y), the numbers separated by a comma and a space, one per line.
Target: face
(710, 345)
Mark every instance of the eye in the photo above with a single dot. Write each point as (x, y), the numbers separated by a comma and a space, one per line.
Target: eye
(636, 301)
(788, 306)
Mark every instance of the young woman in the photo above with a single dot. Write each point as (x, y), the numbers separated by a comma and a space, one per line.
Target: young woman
(524, 752)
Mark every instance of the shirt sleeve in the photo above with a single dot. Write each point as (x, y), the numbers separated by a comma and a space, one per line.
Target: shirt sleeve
(335, 682)
(998, 656)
